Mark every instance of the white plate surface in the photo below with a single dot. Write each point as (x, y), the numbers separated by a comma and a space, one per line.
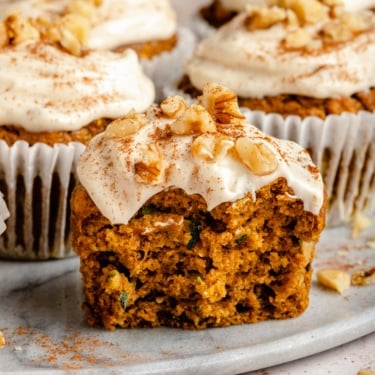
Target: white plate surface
(45, 329)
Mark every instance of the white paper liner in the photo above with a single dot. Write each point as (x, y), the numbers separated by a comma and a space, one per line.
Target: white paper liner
(4, 213)
(38, 180)
(200, 27)
(168, 66)
(343, 148)
(188, 15)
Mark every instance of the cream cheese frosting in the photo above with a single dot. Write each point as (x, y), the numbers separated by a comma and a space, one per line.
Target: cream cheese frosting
(45, 89)
(253, 64)
(108, 168)
(116, 22)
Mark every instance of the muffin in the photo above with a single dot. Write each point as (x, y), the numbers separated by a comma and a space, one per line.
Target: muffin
(148, 26)
(190, 217)
(307, 73)
(53, 102)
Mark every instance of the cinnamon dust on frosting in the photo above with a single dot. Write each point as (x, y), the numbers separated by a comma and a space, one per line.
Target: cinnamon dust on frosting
(206, 148)
(303, 47)
(50, 82)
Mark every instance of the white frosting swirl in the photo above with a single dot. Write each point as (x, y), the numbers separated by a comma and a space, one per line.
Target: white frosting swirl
(45, 89)
(117, 22)
(239, 5)
(252, 64)
(106, 169)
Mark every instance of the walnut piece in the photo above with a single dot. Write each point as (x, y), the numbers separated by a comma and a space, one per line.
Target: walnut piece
(73, 30)
(307, 11)
(151, 169)
(256, 155)
(211, 147)
(363, 277)
(263, 17)
(195, 120)
(222, 104)
(297, 39)
(18, 29)
(334, 279)
(126, 126)
(173, 106)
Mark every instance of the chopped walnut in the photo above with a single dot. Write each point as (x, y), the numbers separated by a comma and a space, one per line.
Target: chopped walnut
(222, 104)
(151, 169)
(307, 11)
(18, 29)
(173, 106)
(195, 120)
(264, 17)
(73, 29)
(257, 156)
(337, 24)
(363, 277)
(125, 126)
(334, 279)
(297, 39)
(211, 147)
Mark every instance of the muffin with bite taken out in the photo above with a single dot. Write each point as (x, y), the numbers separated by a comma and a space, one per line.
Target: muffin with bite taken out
(188, 216)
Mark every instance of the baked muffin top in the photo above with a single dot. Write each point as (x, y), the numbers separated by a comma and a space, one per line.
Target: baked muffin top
(112, 23)
(302, 47)
(206, 148)
(48, 83)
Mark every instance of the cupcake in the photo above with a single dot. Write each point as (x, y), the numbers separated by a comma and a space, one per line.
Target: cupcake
(306, 72)
(4, 214)
(53, 101)
(148, 26)
(187, 216)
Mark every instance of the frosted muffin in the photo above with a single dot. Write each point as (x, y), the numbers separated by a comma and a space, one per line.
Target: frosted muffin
(148, 26)
(52, 103)
(307, 74)
(190, 217)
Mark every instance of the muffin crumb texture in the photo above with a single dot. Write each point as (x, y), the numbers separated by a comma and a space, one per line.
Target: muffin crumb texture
(175, 264)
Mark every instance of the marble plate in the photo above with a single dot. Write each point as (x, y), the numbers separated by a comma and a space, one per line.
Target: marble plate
(45, 329)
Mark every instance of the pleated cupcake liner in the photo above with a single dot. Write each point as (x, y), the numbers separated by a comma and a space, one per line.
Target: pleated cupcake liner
(37, 182)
